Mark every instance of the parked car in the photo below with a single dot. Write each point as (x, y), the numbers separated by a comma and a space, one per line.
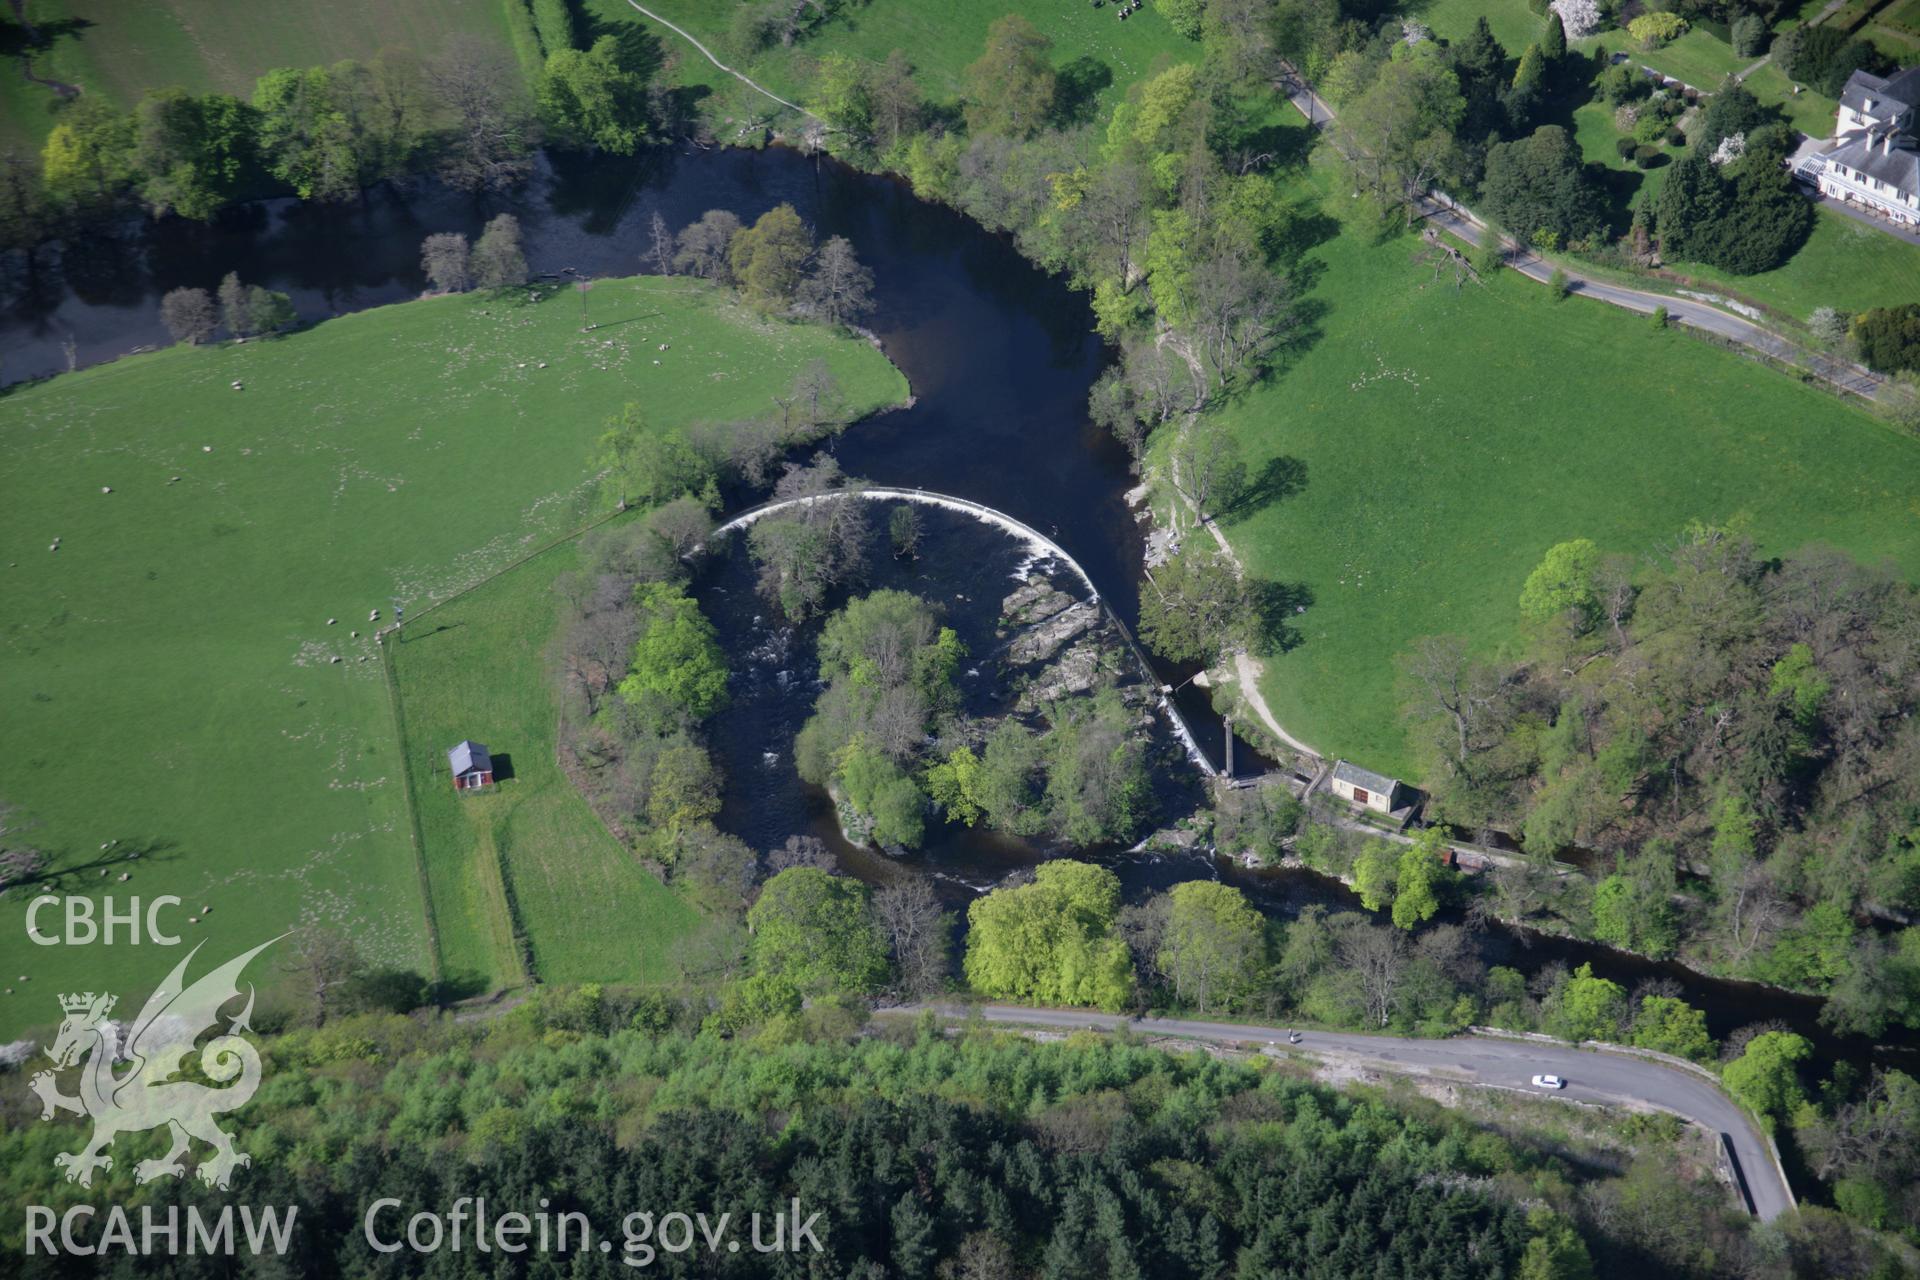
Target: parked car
(1549, 1082)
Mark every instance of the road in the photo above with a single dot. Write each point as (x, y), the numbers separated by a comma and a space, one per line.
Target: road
(1591, 1075)
(1442, 212)
(1699, 315)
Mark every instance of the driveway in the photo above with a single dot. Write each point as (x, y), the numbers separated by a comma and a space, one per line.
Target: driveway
(1591, 1075)
(1699, 315)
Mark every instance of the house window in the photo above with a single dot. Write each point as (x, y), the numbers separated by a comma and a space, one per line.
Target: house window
(1360, 795)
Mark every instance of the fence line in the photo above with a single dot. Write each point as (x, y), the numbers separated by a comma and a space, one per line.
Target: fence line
(413, 811)
(396, 706)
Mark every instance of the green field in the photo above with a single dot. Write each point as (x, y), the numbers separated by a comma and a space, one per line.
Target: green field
(1449, 438)
(940, 39)
(1593, 131)
(1698, 58)
(1843, 264)
(1811, 113)
(477, 668)
(167, 674)
(122, 48)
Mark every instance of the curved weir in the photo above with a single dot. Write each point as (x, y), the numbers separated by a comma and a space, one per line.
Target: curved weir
(1038, 544)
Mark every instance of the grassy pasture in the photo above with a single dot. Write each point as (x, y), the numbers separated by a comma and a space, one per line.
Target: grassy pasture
(477, 668)
(1448, 438)
(122, 48)
(167, 675)
(1843, 264)
(940, 39)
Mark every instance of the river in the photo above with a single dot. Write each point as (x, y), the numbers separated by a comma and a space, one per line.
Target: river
(999, 355)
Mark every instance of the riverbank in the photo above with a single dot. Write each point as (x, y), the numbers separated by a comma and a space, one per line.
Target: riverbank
(999, 354)
(233, 524)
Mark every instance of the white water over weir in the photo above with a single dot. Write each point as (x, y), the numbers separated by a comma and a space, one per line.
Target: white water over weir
(1039, 544)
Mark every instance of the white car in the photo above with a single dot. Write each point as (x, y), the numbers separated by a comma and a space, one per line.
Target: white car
(1549, 1082)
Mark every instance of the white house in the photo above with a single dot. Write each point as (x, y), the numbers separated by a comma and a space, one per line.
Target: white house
(1873, 160)
(1869, 102)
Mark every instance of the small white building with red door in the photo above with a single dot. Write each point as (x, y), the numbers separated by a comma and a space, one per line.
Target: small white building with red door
(472, 766)
(1366, 789)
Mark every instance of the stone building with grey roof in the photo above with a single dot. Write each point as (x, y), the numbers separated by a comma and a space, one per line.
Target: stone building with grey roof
(1873, 160)
(1366, 789)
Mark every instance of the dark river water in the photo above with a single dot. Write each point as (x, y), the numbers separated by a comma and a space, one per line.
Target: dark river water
(1000, 357)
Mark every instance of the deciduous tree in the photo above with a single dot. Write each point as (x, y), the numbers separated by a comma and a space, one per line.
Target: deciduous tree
(592, 99)
(498, 260)
(770, 258)
(815, 931)
(1672, 1026)
(1051, 941)
(490, 131)
(193, 152)
(839, 289)
(1213, 948)
(918, 934)
(676, 657)
(705, 247)
(447, 262)
(648, 465)
(310, 133)
(1397, 136)
(1194, 607)
(1419, 878)
(189, 315)
(1010, 88)
(1563, 584)
(1766, 1077)
(88, 160)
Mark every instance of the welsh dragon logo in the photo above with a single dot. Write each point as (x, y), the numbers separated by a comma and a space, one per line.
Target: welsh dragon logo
(148, 1093)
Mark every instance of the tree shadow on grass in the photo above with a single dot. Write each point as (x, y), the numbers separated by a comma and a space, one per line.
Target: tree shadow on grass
(16, 40)
(1274, 146)
(1278, 478)
(1307, 227)
(641, 48)
(1276, 608)
(1305, 335)
(453, 987)
(1621, 186)
(121, 856)
(1078, 85)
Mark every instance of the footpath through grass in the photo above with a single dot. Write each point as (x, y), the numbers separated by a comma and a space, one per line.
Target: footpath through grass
(528, 852)
(1098, 55)
(168, 676)
(1449, 438)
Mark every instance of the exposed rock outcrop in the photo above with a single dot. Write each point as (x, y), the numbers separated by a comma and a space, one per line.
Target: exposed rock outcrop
(1035, 602)
(1079, 670)
(1040, 642)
